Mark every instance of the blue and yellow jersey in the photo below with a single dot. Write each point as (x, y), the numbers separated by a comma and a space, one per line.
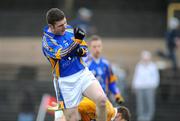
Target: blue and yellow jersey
(103, 72)
(60, 50)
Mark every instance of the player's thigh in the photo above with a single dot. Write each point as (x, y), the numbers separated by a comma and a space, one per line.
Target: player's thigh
(94, 91)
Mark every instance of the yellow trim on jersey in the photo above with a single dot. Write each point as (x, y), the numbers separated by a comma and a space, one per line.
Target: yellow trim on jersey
(57, 69)
(77, 40)
(84, 51)
(58, 53)
(52, 61)
(113, 78)
(82, 62)
(81, 42)
(61, 105)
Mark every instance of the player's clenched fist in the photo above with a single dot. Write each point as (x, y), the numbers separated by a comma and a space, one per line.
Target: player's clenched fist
(79, 33)
(81, 51)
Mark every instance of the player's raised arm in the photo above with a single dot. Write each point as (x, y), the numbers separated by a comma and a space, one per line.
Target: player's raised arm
(79, 35)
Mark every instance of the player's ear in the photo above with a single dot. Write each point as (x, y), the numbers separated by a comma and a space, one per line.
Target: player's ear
(51, 27)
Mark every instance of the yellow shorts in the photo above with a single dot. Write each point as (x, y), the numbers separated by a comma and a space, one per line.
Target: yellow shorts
(87, 109)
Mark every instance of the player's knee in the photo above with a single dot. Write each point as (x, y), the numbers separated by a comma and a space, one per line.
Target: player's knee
(72, 116)
(101, 102)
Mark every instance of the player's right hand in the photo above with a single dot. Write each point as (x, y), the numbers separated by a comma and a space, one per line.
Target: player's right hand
(79, 33)
(81, 51)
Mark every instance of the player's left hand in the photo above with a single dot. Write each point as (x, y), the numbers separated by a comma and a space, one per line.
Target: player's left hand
(119, 99)
(79, 33)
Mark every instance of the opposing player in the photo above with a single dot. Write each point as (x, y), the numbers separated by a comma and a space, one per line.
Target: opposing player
(102, 70)
(87, 111)
(64, 47)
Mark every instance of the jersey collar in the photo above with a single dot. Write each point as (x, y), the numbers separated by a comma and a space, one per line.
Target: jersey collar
(49, 34)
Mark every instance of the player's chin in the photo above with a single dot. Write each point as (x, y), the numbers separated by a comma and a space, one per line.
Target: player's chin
(62, 33)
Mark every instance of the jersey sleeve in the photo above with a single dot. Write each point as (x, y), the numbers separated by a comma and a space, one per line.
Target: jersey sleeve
(112, 82)
(113, 88)
(56, 51)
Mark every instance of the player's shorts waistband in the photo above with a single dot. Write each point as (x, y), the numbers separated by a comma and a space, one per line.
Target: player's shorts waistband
(75, 74)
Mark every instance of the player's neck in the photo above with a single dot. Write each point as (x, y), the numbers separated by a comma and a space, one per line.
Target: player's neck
(97, 59)
(96, 56)
(50, 31)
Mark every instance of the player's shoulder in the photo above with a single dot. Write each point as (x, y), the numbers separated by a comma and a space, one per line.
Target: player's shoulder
(69, 29)
(105, 61)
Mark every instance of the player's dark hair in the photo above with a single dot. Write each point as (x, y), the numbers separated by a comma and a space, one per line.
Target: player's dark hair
(125, 113)
(53, 15)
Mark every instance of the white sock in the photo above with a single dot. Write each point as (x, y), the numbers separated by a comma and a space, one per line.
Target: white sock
(58, 114)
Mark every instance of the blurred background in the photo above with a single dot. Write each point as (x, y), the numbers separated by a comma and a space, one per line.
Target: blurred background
(127, 28)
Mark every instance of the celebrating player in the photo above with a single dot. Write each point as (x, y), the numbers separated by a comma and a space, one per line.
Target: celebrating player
(64, 47)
